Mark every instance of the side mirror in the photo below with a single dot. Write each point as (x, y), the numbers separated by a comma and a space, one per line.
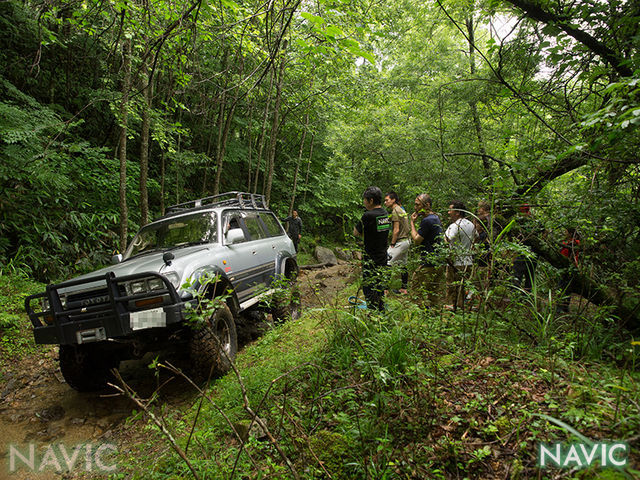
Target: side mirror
(116, 259)
(234, 235)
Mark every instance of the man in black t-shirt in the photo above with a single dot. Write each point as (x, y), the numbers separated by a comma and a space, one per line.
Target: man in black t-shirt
(374, 226)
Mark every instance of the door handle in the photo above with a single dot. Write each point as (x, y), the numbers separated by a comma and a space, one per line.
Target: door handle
(254, 252)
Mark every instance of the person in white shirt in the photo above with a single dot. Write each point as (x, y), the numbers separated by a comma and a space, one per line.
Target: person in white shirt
(459, 235)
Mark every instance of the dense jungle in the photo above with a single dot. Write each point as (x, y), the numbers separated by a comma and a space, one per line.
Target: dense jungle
(113, 110)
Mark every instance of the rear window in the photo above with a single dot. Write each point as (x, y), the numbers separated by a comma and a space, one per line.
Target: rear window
(273, 226)
(254, 226)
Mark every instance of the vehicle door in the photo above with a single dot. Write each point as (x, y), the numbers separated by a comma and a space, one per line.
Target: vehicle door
(241, 260)
(278, 240)
(264, 247)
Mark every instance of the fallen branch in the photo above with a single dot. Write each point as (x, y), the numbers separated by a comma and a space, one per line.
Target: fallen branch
(254, 415)
(259, 421)
(179, 372)
(315, 265)
(129, 392)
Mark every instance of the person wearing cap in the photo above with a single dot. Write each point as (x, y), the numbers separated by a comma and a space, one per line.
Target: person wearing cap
(427, 279)
(460, 235)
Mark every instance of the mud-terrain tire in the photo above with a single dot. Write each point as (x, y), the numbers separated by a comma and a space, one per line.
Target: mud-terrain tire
(87, 368)
(207, 359)
(285, 303)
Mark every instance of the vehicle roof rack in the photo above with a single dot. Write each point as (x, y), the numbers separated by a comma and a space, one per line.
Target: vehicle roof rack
(243, 200)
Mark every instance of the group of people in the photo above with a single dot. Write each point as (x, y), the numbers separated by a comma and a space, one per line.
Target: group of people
(448, 257)
(388, 236)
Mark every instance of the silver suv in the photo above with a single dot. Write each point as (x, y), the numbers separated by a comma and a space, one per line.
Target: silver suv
(229, 246)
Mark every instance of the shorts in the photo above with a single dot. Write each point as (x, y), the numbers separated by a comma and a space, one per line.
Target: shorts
(399, 254)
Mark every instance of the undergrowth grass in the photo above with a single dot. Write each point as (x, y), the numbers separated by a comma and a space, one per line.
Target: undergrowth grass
(348, 394)
(16, 334)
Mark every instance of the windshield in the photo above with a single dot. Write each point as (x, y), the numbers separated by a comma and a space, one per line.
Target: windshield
(175, 232)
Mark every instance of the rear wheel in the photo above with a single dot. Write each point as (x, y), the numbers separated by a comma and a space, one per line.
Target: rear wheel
(214, 345)
(285, 303)
(87, 368)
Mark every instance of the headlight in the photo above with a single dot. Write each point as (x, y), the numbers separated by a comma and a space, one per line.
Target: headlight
(137, 287)
(174, 278)
(151, 284)
(44, 303)
(156, 284)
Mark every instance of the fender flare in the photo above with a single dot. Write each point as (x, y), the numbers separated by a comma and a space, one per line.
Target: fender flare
(286, 265)
(220, 287)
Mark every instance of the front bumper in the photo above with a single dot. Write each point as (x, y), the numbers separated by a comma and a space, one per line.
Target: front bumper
(105, 312)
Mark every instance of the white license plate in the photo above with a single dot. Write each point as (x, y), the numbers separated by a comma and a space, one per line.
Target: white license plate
(156, 317)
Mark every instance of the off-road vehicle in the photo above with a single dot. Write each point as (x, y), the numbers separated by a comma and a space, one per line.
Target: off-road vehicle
(229, 247)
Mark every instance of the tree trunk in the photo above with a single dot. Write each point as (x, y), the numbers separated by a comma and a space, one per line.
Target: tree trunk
(222, 140)
(474, 105)
(126, 85)
(295, 175)
(178, 160)
(306, 177)
(219, 128)
(144, 147)
(250, 142)
(207, 166)
(263, 132)
(275, 125)
(162, 182)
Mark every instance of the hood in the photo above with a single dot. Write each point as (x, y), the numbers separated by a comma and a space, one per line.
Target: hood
(151, 262)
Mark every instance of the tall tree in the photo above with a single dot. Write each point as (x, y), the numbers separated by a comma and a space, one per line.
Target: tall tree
(275, 124)
(147, 94)
(263, 130)
(122, 145)
(473, 103)
(298, 161)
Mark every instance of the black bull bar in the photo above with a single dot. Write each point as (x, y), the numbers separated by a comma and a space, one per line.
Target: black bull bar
(109, 317)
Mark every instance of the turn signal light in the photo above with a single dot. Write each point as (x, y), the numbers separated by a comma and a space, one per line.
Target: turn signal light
(145, 302)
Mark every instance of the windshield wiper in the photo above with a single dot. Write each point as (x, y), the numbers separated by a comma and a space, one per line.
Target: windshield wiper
(144, 252)
(166, 249)
(185, 244)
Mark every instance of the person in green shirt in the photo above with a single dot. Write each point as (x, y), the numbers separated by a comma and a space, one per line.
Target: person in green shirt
(398, 250)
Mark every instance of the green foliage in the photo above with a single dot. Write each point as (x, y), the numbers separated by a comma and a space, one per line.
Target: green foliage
(44, 170)
(16, 337)
(406, 393)
(389, 95)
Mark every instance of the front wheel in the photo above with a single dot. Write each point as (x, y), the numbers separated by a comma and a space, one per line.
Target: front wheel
(214, 345)
(87, 368)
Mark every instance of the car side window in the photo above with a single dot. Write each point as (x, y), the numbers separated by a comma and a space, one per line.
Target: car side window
(233, 220)
(254, 226)
(273, 226)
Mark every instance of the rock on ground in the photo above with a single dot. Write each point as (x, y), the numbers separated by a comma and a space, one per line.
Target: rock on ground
(325, 255)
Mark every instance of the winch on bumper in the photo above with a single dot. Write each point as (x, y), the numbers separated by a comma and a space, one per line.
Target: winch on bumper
(108, 308)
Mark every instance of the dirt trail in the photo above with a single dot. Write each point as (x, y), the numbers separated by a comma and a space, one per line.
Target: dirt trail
(37, 407)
